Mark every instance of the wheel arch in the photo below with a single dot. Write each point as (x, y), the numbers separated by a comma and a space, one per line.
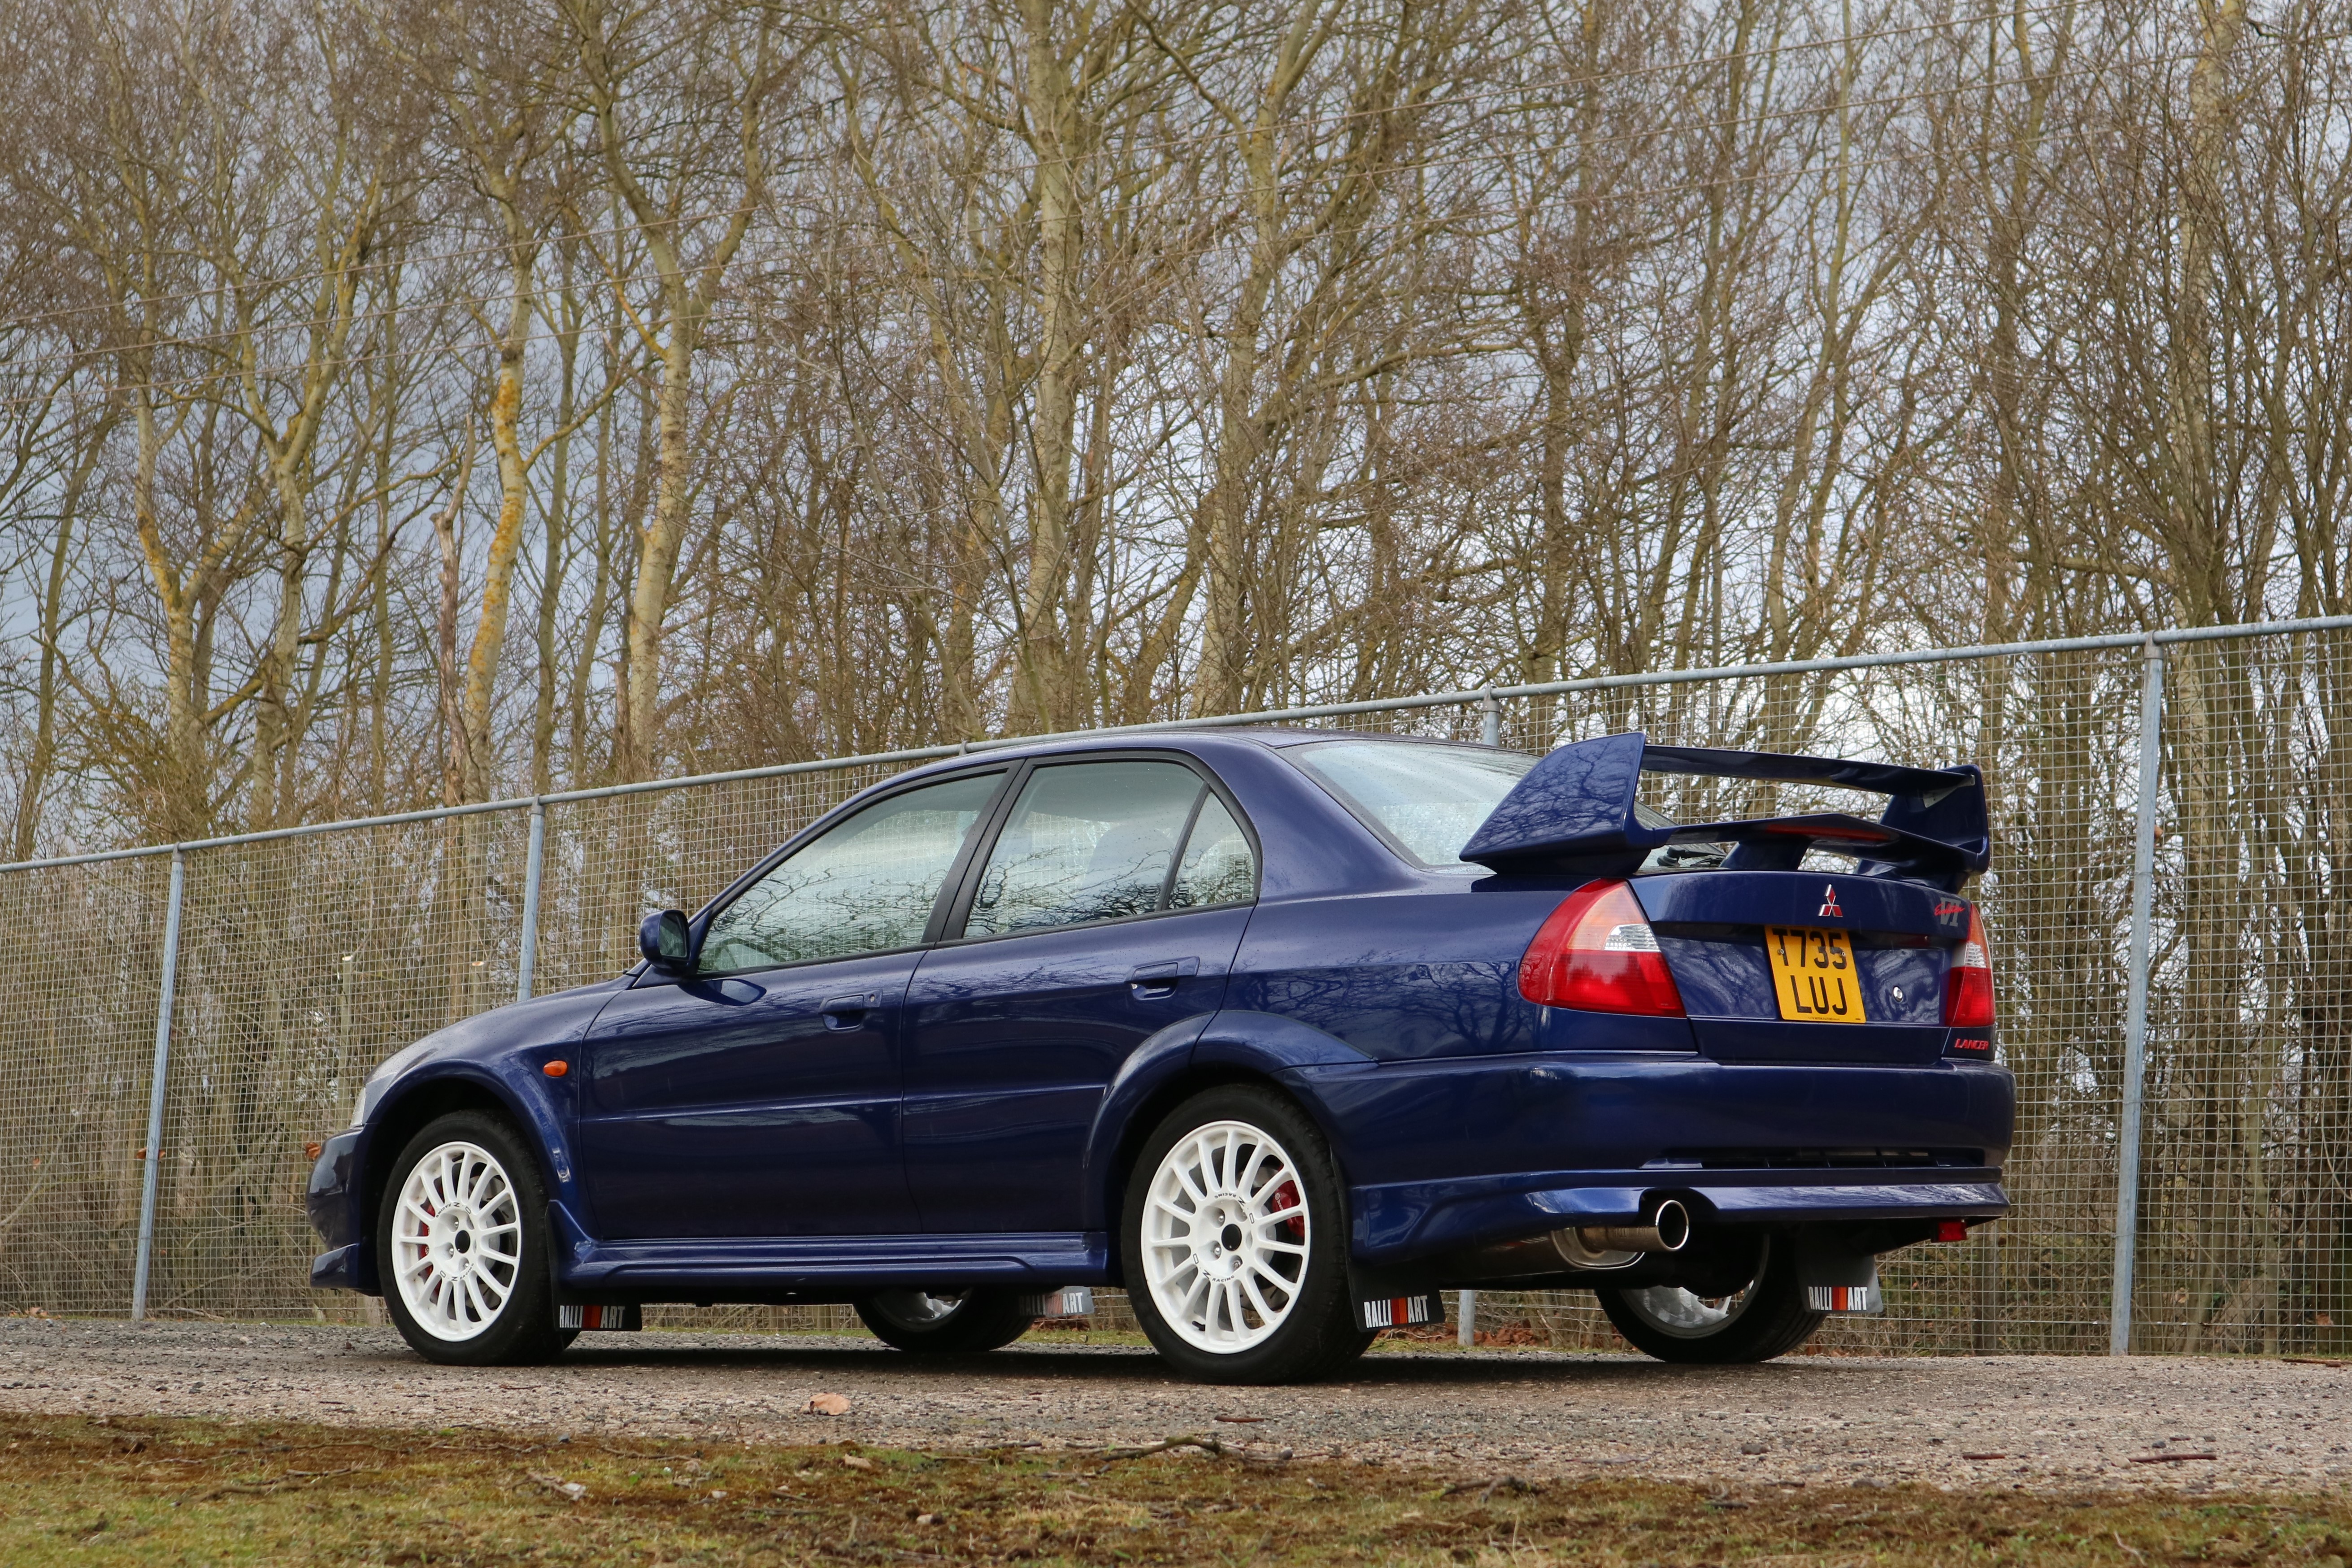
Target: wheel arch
(413, 1107)
(1231, 1047)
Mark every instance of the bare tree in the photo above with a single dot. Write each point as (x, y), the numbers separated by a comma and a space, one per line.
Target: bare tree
(720, 68)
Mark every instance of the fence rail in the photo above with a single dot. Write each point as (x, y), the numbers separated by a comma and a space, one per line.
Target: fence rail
(2172, 901)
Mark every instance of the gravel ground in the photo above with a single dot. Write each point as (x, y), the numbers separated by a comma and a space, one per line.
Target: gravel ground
(2007, 1421)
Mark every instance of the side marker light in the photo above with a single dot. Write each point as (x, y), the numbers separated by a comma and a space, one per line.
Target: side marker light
(556, 1069)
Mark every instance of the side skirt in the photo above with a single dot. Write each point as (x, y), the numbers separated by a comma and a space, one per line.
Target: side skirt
(814, 1266)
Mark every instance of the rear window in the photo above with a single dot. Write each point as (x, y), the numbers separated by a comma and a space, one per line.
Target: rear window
(1425, 798)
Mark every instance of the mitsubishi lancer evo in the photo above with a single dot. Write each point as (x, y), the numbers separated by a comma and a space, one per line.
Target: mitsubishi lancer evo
(1283, 1032)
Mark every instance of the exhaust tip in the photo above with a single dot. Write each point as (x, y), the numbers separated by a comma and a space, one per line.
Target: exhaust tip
(1668, 1230)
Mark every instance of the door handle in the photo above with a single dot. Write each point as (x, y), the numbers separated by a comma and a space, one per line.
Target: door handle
(1149, 982)
(848, 1012)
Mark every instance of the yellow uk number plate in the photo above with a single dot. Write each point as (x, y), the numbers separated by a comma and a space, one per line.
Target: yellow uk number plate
(1813, 976)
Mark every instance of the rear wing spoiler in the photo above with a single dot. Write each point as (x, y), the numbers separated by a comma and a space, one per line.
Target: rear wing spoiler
(1575, 812)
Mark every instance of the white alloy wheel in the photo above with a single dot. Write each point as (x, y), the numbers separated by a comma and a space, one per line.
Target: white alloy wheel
(456, 1241)
(1670, 1310)
(1226, 1233)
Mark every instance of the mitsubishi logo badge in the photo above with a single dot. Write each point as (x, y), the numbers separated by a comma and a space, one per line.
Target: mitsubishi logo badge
(1830, 909)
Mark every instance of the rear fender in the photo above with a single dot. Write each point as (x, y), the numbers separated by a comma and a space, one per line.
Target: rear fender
(1148, 1069)
(1271, 1044)
(1228, 1047)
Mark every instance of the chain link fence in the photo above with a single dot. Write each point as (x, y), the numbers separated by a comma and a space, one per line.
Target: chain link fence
(305, 958)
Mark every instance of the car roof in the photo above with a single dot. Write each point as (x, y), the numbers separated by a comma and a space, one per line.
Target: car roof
(1203, 741)
(1275, 735)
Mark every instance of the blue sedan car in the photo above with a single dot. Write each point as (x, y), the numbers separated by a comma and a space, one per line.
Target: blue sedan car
(1283, 1031)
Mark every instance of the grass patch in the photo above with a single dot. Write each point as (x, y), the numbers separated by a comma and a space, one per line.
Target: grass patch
(86, 1492)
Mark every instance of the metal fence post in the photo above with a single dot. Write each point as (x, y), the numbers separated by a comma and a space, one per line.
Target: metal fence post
(1466, 1330)
(2143, 918)
(530, 959)
(1490, 722)
(151, 1182)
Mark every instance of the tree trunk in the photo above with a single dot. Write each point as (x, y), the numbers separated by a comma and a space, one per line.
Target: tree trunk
(1043, 698)
(480, 752)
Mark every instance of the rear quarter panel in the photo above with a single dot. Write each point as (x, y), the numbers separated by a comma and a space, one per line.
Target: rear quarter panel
(1399, 974)
(1399, 962)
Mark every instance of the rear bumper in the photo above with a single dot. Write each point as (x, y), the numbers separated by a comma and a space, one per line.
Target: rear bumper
(1398, 1224)
(1443, 1155)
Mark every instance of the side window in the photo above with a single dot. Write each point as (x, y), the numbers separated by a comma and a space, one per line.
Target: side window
(1218, 867)
(863, 887)
(1089, 841)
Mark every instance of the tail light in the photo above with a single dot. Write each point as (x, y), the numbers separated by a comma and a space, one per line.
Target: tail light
(1967, 985)
(1597, 952)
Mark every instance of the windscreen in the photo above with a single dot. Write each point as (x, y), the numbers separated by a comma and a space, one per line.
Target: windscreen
(1426, 799)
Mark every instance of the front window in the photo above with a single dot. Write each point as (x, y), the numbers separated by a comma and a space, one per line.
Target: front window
(865, 886)
(1425, 798)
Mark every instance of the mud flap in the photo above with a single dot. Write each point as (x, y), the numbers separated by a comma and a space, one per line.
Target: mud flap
(1070, 1302)
(616, 1317)
(1835, 1277)
(590, 1315)
(1385, 1300)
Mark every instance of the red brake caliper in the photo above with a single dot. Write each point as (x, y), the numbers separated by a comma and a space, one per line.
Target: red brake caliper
(1286, 1197)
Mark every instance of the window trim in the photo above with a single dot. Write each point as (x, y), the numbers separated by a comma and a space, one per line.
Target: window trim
(1184, 847)
(952, 934)
(856, 805)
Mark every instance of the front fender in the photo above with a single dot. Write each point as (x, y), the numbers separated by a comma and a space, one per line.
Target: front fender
(542, 1107)
(1241, 1044)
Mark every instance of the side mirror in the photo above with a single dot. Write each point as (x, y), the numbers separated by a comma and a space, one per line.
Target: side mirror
(666, 944)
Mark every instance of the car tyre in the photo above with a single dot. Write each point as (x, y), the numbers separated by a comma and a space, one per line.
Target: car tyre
(465, 1213)
(1768, 1319)
(964, 1323)
(1233, 1240)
